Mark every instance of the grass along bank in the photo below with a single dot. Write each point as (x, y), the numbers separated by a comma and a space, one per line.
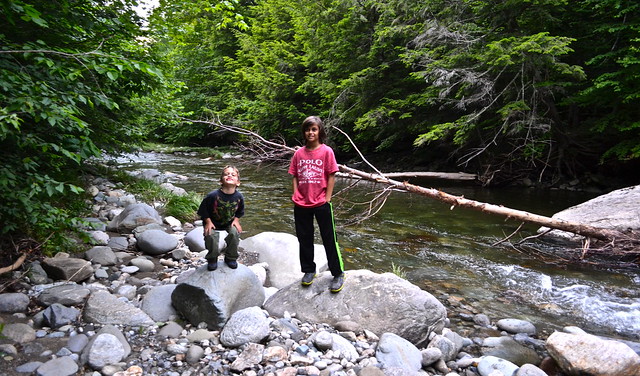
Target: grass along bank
(182, 207)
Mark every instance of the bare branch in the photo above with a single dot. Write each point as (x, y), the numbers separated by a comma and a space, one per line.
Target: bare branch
(262, 147)
(508, 237)
(357, 150)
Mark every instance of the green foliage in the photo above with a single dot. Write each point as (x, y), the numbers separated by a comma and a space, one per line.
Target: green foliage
(611, 103)
(398, 270)
(184, 207)
(147, 191)
(194, 40)
(67, 72)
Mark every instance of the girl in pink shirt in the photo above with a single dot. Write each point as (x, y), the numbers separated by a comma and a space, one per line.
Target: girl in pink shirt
(313, 168)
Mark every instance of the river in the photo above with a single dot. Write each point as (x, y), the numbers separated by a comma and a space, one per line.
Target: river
(450, 253)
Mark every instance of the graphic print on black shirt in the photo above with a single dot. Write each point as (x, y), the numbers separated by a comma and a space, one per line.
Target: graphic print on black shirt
(221, 208)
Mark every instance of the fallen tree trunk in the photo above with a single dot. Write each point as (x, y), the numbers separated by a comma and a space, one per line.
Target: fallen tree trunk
(457, 201)
(459, 176)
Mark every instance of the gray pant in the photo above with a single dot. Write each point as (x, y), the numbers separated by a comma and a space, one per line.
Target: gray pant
(212, 243)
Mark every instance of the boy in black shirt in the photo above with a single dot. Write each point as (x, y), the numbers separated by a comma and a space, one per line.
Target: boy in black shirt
(221, 210)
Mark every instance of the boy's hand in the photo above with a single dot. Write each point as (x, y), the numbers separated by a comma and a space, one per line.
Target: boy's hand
(208, 226)
(236, 223)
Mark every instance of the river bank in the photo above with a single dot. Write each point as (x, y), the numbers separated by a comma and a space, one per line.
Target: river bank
(178, 348)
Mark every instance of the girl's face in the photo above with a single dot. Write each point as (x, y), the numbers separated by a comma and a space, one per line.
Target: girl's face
(230, 177)
(312, 134)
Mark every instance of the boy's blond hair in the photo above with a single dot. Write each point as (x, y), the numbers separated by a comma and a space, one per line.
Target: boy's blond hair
(234, 168)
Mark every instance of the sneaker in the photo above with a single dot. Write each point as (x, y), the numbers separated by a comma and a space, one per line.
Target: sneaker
(307, 279)
(233, 264)
(212, 265)
(337, 283)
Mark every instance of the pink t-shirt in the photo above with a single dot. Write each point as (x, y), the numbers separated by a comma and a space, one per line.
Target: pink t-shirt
(312, 168)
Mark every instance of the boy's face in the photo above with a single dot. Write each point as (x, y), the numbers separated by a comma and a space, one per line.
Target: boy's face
(230, 177)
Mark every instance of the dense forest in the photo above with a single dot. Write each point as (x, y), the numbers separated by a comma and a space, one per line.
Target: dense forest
(542, 90)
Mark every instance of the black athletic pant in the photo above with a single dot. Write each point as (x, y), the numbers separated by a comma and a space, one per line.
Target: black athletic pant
(304, 230)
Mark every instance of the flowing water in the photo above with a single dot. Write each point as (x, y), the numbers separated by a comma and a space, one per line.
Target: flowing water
(450, 253)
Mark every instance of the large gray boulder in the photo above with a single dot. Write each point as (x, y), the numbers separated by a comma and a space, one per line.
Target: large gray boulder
(194, 239)
(281, 252)
(245, 326)
(157, 303)
(396, 352)
(57, 315)
(585, 354)
(101, 255)
(64, 365)
(67, 268)
(492, 365)
(213, 296)
(108, 346)
(325, 340)
(17, 332)
(156, 242)
(618, 210)
(133, 216)
(13, 302)
(380, 303)
(105, 308)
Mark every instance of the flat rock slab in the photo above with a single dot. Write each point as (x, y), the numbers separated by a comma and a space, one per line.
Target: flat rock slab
(617, 210)
(378, 302)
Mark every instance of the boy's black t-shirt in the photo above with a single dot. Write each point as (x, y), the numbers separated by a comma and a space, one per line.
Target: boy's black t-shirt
(221, 208)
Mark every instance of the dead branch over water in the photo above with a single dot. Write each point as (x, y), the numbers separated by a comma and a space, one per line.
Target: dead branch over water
(458, 201)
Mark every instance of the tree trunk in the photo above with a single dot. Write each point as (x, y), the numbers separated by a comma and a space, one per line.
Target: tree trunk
(576, 228)
(460, 176)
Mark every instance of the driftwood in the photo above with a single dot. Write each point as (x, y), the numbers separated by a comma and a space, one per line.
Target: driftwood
(266, 148)
(15, 265)
(458, 176)
(23, 248)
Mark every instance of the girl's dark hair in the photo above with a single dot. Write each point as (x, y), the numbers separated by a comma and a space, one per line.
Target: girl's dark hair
(314, 120)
